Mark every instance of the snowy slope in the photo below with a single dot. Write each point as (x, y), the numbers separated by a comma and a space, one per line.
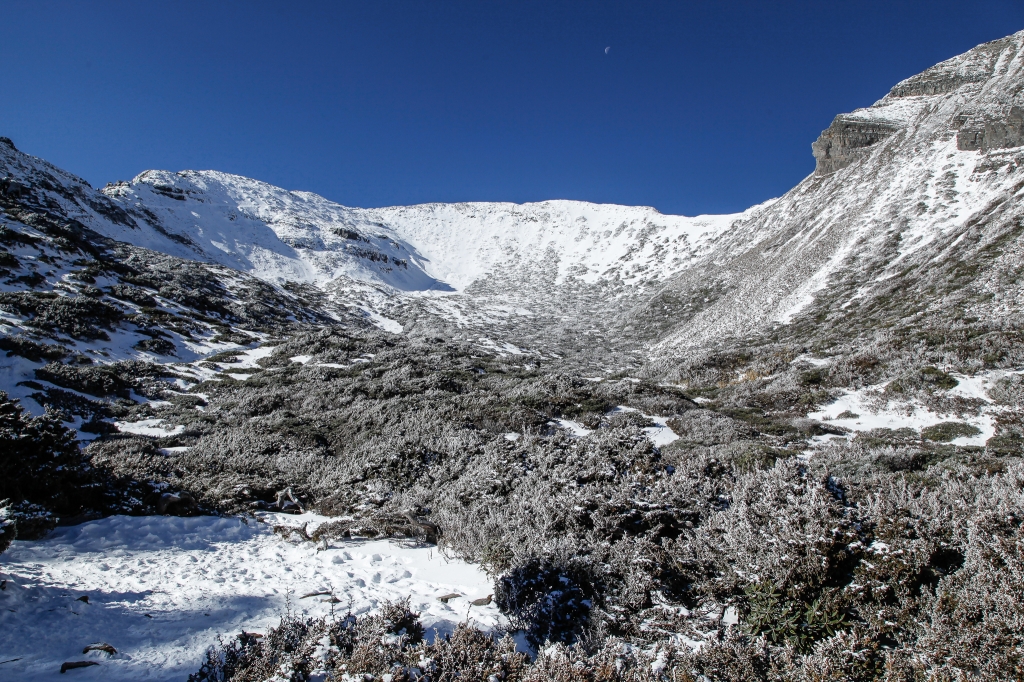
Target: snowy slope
(282, 235)
(899, 185)
(590, 241)
(272, 233)
(67, 195)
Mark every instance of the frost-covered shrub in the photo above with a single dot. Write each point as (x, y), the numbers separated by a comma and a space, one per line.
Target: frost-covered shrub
(549, 601)
(947, 431)
(156, 345)
(47, 478)
(133, 294)
(32, 350)
(363, 648)
(94, 380)
(1009, 391)
(926, 378)
(707, 427)
(81, 317)
(42, 469)
(8, 526)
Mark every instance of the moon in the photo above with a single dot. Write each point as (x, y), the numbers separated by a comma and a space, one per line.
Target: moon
(608, 49)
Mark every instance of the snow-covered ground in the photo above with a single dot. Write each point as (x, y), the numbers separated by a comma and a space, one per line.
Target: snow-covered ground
(659, 434)
(864, 409)
(162, 589)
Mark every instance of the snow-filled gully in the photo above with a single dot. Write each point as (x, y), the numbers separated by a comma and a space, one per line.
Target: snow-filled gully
(161, 590)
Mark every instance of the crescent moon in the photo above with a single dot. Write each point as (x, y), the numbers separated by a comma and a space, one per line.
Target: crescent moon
(608, 49)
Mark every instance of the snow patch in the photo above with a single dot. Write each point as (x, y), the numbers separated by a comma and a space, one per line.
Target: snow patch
(864, 410)
(659, 434)
(162, 589)
(155, 428)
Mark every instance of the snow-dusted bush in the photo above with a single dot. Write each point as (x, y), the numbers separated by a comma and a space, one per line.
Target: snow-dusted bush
(388, 645)
(42, 469)
(8, 526)
(548, 601)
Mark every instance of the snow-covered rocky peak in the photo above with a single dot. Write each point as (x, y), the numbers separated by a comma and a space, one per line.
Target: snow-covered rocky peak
(976, 67)
(976, 94)
(284, 235)
(275, 234)
(929, 176)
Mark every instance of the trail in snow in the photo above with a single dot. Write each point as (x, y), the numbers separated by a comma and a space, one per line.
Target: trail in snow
(162, 589)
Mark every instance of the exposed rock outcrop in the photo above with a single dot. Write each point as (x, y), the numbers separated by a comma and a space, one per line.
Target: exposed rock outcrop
(984, 133)
(847, 140)
(975, 66)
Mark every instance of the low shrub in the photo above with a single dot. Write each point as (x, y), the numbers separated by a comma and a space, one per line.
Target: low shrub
(548, 600)
(948, 431)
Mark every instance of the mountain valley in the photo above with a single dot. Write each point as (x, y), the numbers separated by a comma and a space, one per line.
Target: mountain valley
(780, 444)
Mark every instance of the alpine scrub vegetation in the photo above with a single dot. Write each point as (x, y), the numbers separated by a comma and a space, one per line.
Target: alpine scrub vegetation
(727, 550)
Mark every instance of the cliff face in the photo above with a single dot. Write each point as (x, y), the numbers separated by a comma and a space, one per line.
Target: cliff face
(847, 140)
(931, 174)
(987, 132)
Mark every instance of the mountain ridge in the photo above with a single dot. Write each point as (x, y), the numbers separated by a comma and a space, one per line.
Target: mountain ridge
(922, 163)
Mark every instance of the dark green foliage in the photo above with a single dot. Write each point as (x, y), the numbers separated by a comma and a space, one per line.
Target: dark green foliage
(947, 431)
(786, 621)
(80, 317)
(937, 378)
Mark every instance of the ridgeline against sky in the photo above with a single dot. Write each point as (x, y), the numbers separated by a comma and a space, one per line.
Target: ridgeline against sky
(696, 108)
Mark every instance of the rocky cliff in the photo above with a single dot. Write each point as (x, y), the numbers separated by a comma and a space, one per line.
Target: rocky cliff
(930, 174)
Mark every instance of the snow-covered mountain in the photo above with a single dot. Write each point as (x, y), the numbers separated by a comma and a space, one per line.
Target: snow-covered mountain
(285, 235)
(898, 185)
(926, 180)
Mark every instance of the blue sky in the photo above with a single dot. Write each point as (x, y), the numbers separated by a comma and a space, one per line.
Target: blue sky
(698, 107)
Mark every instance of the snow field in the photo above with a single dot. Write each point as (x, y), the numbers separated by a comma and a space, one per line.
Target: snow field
(873, 413)
(161, 590)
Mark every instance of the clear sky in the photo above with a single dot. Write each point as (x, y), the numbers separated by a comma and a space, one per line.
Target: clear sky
(697, 107)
